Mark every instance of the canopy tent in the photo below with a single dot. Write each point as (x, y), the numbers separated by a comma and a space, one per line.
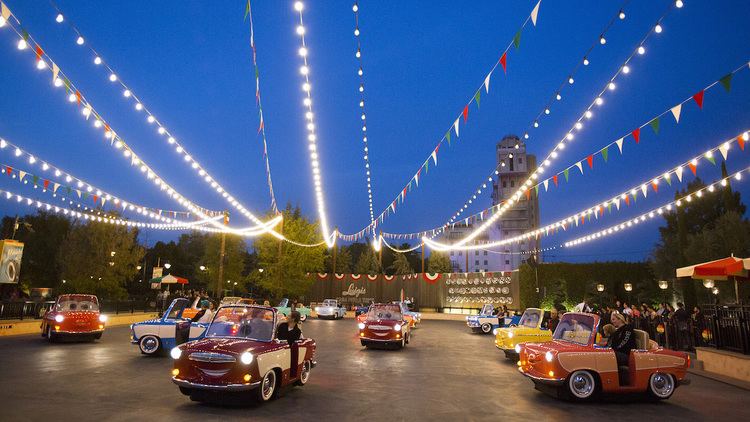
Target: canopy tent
(169, 279)
(729, 268)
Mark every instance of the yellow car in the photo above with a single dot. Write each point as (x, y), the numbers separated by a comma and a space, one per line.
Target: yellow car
(531, 328)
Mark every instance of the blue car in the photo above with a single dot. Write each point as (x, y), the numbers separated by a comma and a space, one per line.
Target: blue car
(157, 335)
(486, 322)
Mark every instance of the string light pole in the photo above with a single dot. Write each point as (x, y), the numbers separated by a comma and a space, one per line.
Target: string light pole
(222, 255)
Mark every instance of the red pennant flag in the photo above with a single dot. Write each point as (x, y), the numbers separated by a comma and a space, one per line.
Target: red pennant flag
(95, 198)
(741, 142)
(46, 183)
(504, 61)
(637, 135)
(465, 113)
(106, 127)
(699, 99)
(583, 220)
(590, 160)
(261, 126)
(78, 97)
(528, 194)
(627, 199)
(693, 168)
(655, 186)
(39, 53)
(9, 170)
(554, 179)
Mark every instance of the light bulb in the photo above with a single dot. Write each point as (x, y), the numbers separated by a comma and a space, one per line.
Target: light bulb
(97, 60)
(112, 77)
(151, 118)
(356, 32)
(641, 50)
(41, 64)
(570, 80)
(585, 61)
(626, 69)
(679, 4)
(546, 111)
(298, 6)
(302, 51)
(79, 41)
(138, 106)
(602, 40)
(22, 44)
(559, 97)
(126, 93)
(304, 70)
(72, 97)
(355, 8)
(599, 101)
(611, 86)
(358, 54)
(59, 18)
(622, 15)
(300, 30)
(658, 28)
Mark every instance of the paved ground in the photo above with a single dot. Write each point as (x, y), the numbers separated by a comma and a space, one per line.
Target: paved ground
(446, 373)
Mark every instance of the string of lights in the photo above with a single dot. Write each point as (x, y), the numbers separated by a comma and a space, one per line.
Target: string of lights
(623, 69)
(166, 135)
(363, 117)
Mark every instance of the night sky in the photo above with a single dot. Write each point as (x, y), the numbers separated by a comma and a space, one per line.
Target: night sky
(190, 63)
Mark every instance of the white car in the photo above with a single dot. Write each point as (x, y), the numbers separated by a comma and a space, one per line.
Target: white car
(330, 309)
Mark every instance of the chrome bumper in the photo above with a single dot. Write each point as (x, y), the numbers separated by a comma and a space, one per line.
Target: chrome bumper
(392, 340)
(83, 333)
(542, 380)
(211, 387)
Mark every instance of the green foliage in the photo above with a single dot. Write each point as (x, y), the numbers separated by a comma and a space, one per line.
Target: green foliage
(527, 286)
(439, 263)
(367, 263)
(401, 265)
(343, 260)
(234, 262)
(285, 266)
(88, 265)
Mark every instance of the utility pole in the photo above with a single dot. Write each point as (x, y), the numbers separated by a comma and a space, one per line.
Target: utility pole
(222, 253)
(280, 271)
(380, 252)
(466, 268)
(422, 257)
(335, 249)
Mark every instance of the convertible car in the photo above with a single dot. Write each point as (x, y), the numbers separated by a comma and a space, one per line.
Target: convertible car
(531, 327)
(487, 321)
(241, 356)
(384, 324)
(414, 318)
(74, 316)
(573, 365)
(157, 335)
(284, 309)
(330, 309)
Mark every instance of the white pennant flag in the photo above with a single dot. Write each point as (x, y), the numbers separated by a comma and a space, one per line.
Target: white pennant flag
(416, 178)
(644, 189)
(104, 200)
(88, 112)
(676, 110)
(619, 144)
(455, 126)
(5, 11)
(434, 156)
(487, 83)
(55, 186)
(617, 203)
(546, 184)
(535, 12)
(724, 149)
(678, 172)
(55, 72)
(580, 166)
(21, 175)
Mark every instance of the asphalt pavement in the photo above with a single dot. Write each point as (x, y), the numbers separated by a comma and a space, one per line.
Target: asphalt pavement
(446, 373)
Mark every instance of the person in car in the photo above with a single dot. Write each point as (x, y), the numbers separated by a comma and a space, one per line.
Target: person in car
(291, 332)
(623, 339)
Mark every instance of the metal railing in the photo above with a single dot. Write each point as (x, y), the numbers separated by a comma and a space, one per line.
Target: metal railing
(21, 310)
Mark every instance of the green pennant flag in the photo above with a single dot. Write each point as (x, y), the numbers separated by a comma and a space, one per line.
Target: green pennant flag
(426, 166)
(477, 96)
(711, 159)
(605, 153)
(668, 178)
(536, 190)
(635, 197)
(66, 81)
(25, 35)
(448, 136)
(68, 190)
(256, 73)
(85, 195)
(247, 9)
(726, 81)
(36, 179)
(655, 125)
(609, 207)
(517, 39)
(566, 173)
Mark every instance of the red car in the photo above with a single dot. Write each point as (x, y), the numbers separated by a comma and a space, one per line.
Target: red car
(241, 356)
(574, 365)
(74, 316)
(384, 324)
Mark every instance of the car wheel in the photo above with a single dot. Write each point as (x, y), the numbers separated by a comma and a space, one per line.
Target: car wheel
(661, 386)
(267, 388)
(51, 336)
(303, 317)
(486, 328)
(305, 374)
(186, 391)
(149, 345)
(581, 385)
(364, 343)
(98, 336)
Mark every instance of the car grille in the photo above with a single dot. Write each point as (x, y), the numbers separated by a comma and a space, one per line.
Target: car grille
(379, 327)
(211, 357)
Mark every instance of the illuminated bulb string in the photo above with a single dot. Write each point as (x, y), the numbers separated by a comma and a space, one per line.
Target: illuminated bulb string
(161, 129)
(555, 152)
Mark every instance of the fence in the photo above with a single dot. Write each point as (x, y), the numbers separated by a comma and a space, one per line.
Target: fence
(35, 310)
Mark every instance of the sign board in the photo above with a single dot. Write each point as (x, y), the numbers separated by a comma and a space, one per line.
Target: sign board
(10, 260)
(155, 286)
(158, 272)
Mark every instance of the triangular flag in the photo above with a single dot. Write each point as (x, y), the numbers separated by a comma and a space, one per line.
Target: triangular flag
(605, 153)
(35, 180)
(668, 178)
(678, 172)
(741, 142)
(465, 113)
(580, 166)
(517, 39)
(416, 176)
(55, 72)
(55, 186)
(590, 160)
(644, 189)
(726, 81)
(434, 154)
(5, 11)
(247, 9)
(21, 175)
(477, 97)
(546, 184)
(693, 168)
(698, 97)
(39, 52)
(554, 179)
(711, 159)
(655, 125)
(96, 198)
(617, 203)
(9, 170)
(637, 135)
(528, 194)
(448, 137)
(504, 62)
(627, 200)
(78, 192)
(724, 150)
(566, 172)
(85, 195)
(455, 127)
(535, 12)
(655, 186)
(676, 110)
(619, 144)
(487, 83)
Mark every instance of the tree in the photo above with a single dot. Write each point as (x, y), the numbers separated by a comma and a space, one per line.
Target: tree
(439, 263)
(234, 262)
(367, 263)
(401, 265)
(285, 265)
(99, 258)
(343, 261)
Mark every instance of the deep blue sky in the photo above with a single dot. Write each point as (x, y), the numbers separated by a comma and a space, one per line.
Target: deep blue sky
(190, 63)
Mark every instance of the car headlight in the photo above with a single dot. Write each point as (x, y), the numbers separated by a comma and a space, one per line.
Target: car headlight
(361, 325)
(59, 318)
(518, 348)
(494, 331)
(397, 327)
(175, 353)
(103, 318)
(548, 356)
(317, 309)
(246, 358)
(510, 334)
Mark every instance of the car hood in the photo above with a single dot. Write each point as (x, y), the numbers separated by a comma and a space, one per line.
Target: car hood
(232, 346)
(553, 345)
(521, 331)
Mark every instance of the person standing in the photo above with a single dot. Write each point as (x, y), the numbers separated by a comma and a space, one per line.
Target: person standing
(291, 332)
(623, 339)
(682, 322)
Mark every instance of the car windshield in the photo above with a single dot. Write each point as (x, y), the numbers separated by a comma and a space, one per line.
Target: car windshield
(487, 310)
(329, 302)
(249, 322)
(229, 300)
(387, 312)
(531, 318)
(77, 303)
(575, 328)
(177, 307)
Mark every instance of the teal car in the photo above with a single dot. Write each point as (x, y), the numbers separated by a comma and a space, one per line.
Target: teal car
(285, 309)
